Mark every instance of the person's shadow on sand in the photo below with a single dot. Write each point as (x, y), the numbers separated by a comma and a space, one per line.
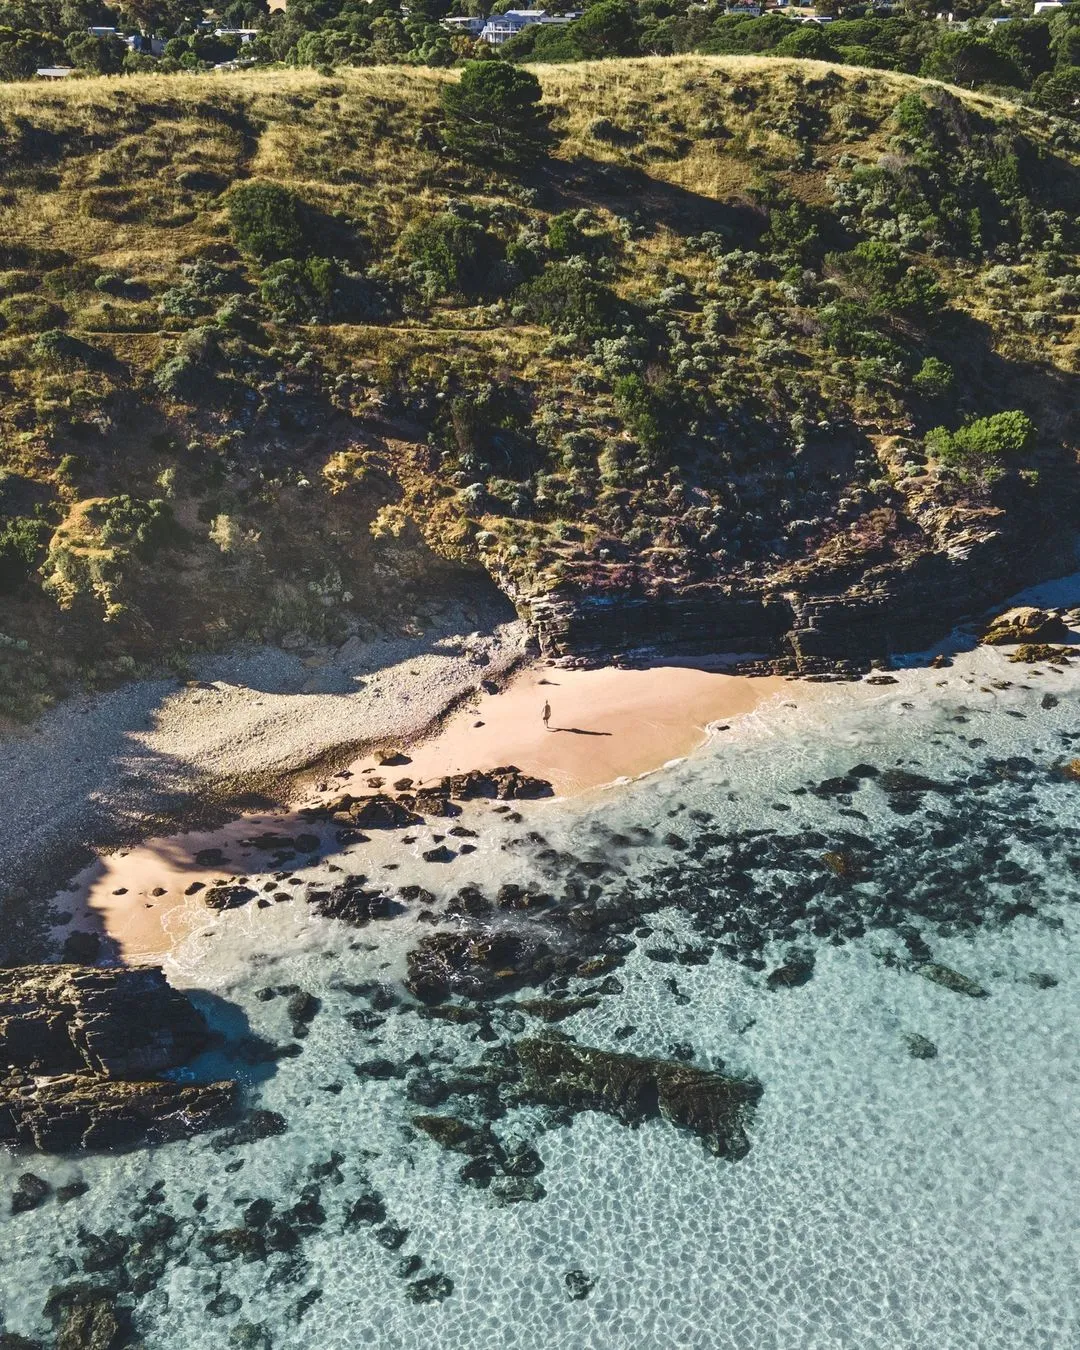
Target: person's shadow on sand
(579, 731)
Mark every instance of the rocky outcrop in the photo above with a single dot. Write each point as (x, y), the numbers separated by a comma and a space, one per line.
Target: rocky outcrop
(85, 1111)
(383, 812)
(120, 1022)
(1025, 623)
(80, 1051)
(716, 1107)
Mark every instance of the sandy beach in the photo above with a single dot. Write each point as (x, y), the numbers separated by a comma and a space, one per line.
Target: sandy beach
(105, 769)
(605, 724)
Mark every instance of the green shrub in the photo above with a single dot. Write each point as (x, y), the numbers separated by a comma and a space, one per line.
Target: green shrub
(563, 235)
(129, 523)
(30, 314)
(454, 255)
(889, 280)
(268, 222)
(977, 450)
(492, 115)
(650, 413)
(193, 367)
(59, 350)
(23, 541)
(569, 301)
(934, 378)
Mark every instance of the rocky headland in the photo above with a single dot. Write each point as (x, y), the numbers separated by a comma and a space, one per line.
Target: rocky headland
(85, 1052)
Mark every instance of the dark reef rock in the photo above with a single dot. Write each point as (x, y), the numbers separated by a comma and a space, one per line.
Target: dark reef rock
(81, 1046)
(256, 1125)
(228, 897)
(476, 964)
(86, 1111)
(30, 1192)
(1025, 624)
(352, 902)
(919, 1047)
(716, 1107)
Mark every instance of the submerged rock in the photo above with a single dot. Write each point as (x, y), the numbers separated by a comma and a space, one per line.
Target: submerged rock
(951, 979)
(920, 1047)
(578, 1284)
(86, 1317)
(714, 1106)
(431, 1289)
(797, 970)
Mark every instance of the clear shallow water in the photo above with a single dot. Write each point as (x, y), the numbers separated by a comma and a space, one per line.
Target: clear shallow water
(886, 1201)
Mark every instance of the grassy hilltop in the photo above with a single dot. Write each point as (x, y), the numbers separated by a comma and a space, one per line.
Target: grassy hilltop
(759, 324)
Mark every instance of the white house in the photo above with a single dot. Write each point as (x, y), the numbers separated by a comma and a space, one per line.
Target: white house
(501, 28)
(245, 35)
(1041, 6)
(54, 72)
(465, 23)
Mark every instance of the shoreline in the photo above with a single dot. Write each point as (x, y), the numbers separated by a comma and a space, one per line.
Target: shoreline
(101, 772)
(147, 899)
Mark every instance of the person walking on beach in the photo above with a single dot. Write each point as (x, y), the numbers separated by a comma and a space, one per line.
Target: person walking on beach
(546, 715)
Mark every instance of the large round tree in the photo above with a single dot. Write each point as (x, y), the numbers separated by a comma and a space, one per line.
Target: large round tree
(492, 115)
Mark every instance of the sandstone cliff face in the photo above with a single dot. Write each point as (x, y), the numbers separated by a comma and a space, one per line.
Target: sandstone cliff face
(851, 602)
(80, 1051)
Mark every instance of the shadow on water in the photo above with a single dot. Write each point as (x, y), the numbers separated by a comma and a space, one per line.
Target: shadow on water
(235, 1051)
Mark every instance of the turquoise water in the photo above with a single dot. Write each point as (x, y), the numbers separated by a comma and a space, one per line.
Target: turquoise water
(886, 1200)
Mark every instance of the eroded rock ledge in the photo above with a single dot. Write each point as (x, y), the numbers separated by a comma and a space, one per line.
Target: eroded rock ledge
(81, 1053)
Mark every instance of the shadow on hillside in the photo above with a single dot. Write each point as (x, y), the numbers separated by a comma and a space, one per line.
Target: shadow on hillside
(655, 204)
(988, 379)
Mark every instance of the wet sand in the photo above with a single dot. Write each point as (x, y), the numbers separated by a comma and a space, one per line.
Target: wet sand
(605, 725)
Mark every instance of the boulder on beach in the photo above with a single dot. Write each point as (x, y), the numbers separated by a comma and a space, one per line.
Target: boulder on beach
(506, 783)
(377, 812)
(228, 897)
(1025, 623)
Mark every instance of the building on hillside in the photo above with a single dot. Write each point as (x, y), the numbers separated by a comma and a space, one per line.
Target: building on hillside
(501, 28)
(743, 10)
(54, 72)
(144, 44)
(245, 35)
(470, 24)
(1042, 6)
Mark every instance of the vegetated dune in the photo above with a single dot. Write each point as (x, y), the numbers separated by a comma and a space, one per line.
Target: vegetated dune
(673, 388)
